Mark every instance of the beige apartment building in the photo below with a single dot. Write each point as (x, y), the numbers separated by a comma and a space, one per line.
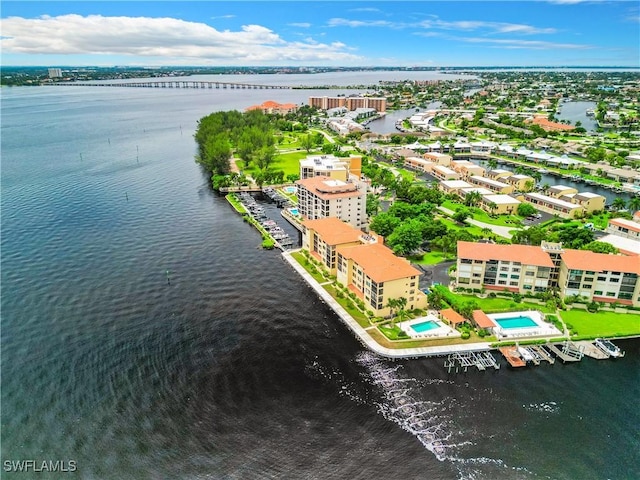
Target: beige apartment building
(338, 168)
(495, 186)
(363, 264)
(467, 169)
(322, 197)
(600, 277)
(322, 237)
(516, 268)
(444, 173)
(533, 269)
(552, 205)
(350, 103)
(624, 228)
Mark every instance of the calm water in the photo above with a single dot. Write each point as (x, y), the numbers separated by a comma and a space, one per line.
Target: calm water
(230, 368)
(577, 112)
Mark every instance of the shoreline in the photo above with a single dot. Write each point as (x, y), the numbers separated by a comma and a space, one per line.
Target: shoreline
(371, 344)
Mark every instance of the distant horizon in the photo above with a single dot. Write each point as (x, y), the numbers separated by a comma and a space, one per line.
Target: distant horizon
(349, 67)
(440, 34)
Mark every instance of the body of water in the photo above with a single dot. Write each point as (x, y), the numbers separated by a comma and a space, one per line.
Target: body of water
(577, 112)
(146, 335)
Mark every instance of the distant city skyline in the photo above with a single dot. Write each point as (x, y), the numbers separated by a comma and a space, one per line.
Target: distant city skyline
(560, 33)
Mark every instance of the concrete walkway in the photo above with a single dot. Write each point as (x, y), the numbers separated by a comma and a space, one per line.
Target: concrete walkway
(365, 338)
(497, 229)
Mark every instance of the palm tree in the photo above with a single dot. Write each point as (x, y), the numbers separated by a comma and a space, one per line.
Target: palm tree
(471, 199)
(634, 203)
(619, 203)
(528, 185)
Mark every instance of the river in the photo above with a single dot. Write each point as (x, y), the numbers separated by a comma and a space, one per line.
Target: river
(146, 335)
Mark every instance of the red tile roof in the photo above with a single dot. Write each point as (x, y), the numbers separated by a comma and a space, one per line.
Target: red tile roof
(452, 316)
(379, 262)
(481, 320)
(333, 231)
(525, 254)
(600, 262)
(328, 188)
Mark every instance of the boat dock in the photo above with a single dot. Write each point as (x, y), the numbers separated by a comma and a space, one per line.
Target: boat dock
(464, 360)
(512, 356)
(590, 350)
(570, 352)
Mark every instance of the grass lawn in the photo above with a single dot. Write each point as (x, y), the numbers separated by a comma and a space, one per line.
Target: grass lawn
(436, 342)
(602, 324)
(430, 258)
(472, 229)
(289, 162)
(494, 304)
(306, 264)
(231, 198)
(482, 216)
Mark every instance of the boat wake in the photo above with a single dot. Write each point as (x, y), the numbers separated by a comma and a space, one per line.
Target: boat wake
(398, 403)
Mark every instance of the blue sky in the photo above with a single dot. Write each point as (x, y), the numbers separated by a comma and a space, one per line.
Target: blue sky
(371, 33)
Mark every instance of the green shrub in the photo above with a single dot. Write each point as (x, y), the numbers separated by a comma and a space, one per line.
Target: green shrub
(465, 335)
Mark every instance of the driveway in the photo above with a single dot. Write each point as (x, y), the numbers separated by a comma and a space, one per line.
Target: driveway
(434, 273)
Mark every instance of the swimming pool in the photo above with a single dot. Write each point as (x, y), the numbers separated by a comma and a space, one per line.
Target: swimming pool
(424, 326)
(290, 189)
(294, 211)
(516, 322)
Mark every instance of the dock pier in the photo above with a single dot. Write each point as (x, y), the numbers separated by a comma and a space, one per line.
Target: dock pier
(570, 352)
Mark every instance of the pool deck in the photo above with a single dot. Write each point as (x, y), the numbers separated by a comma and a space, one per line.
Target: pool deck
(367, 340)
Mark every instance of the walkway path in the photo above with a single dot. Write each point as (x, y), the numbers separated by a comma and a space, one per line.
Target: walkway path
(497, 229)
(363, 335)
(329, 138)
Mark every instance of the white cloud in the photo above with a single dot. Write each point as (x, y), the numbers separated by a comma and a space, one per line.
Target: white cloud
(436, 24)
(300, 24)
(343, 22)
(525, 44)
(175, 40)
(223, 16)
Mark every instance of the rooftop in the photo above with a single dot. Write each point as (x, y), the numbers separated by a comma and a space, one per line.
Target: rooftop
(525, 254)
(379, 262)
(333, 230)
(624, 223)
(600, 262)
(329, 188)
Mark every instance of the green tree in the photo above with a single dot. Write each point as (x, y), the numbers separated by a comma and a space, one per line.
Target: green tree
(600, 247)
(619, 203)
(306, 142)
(461, 215)
(406, 237)
(472, 198)
(526, 209)
(373, 204)
(384, 224)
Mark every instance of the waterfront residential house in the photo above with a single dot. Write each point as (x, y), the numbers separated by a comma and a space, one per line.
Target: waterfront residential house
(498, 174)
(520, 182)
(466, 168)
(516, 268)
(339, 168)
(322, 237)
(497, 204)
(590, 202)
(444, 173)
(376, 275)
(558, 191)
(554, 206)
(272, 107)
(495, 186)
(351, 103)
(418, 163)
(600, 277)
(441, 159)
(531, 269)
(322, 197)
(454, 186)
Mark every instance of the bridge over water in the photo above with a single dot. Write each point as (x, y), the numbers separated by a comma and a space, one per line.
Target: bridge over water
(175, 84)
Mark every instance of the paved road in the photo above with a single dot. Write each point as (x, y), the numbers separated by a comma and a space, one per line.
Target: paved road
(497, 229)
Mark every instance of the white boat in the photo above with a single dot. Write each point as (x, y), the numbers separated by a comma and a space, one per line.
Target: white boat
(525, 354)
(609, 348)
